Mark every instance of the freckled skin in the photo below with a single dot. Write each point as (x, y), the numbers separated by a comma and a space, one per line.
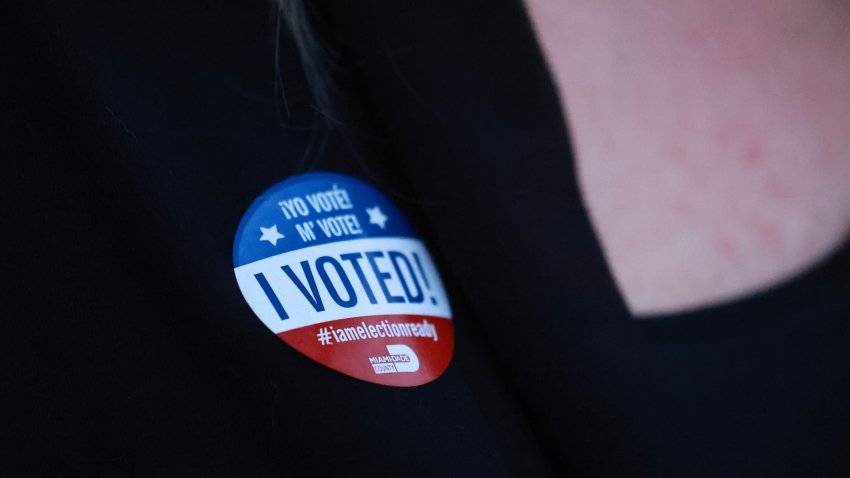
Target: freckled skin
(726, 248)
(711, 138)
(753, 152)
(777, 188)
(767, 233)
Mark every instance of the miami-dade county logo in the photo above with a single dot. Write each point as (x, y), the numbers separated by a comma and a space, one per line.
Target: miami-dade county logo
(400, 358)
(332, 267)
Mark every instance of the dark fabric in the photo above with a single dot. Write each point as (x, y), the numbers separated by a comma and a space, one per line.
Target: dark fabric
(136, 135)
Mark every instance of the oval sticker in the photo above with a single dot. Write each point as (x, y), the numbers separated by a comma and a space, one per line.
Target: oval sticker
(333, 268)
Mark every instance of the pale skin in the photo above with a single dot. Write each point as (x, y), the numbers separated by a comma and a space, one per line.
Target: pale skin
(712, 139)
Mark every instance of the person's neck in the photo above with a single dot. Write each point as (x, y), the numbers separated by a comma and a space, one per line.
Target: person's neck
(711, 138)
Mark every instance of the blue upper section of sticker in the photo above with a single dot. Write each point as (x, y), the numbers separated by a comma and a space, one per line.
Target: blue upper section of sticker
(312, 209)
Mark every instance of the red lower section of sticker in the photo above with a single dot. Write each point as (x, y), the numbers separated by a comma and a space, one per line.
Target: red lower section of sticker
(397, 350)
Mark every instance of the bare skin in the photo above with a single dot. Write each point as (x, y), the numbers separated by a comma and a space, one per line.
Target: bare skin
(712, 139)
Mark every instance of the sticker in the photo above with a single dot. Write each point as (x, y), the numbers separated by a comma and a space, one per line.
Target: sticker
(332, 267)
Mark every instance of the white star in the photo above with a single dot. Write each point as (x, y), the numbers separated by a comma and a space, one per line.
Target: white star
(376, 216)
(270, 234)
